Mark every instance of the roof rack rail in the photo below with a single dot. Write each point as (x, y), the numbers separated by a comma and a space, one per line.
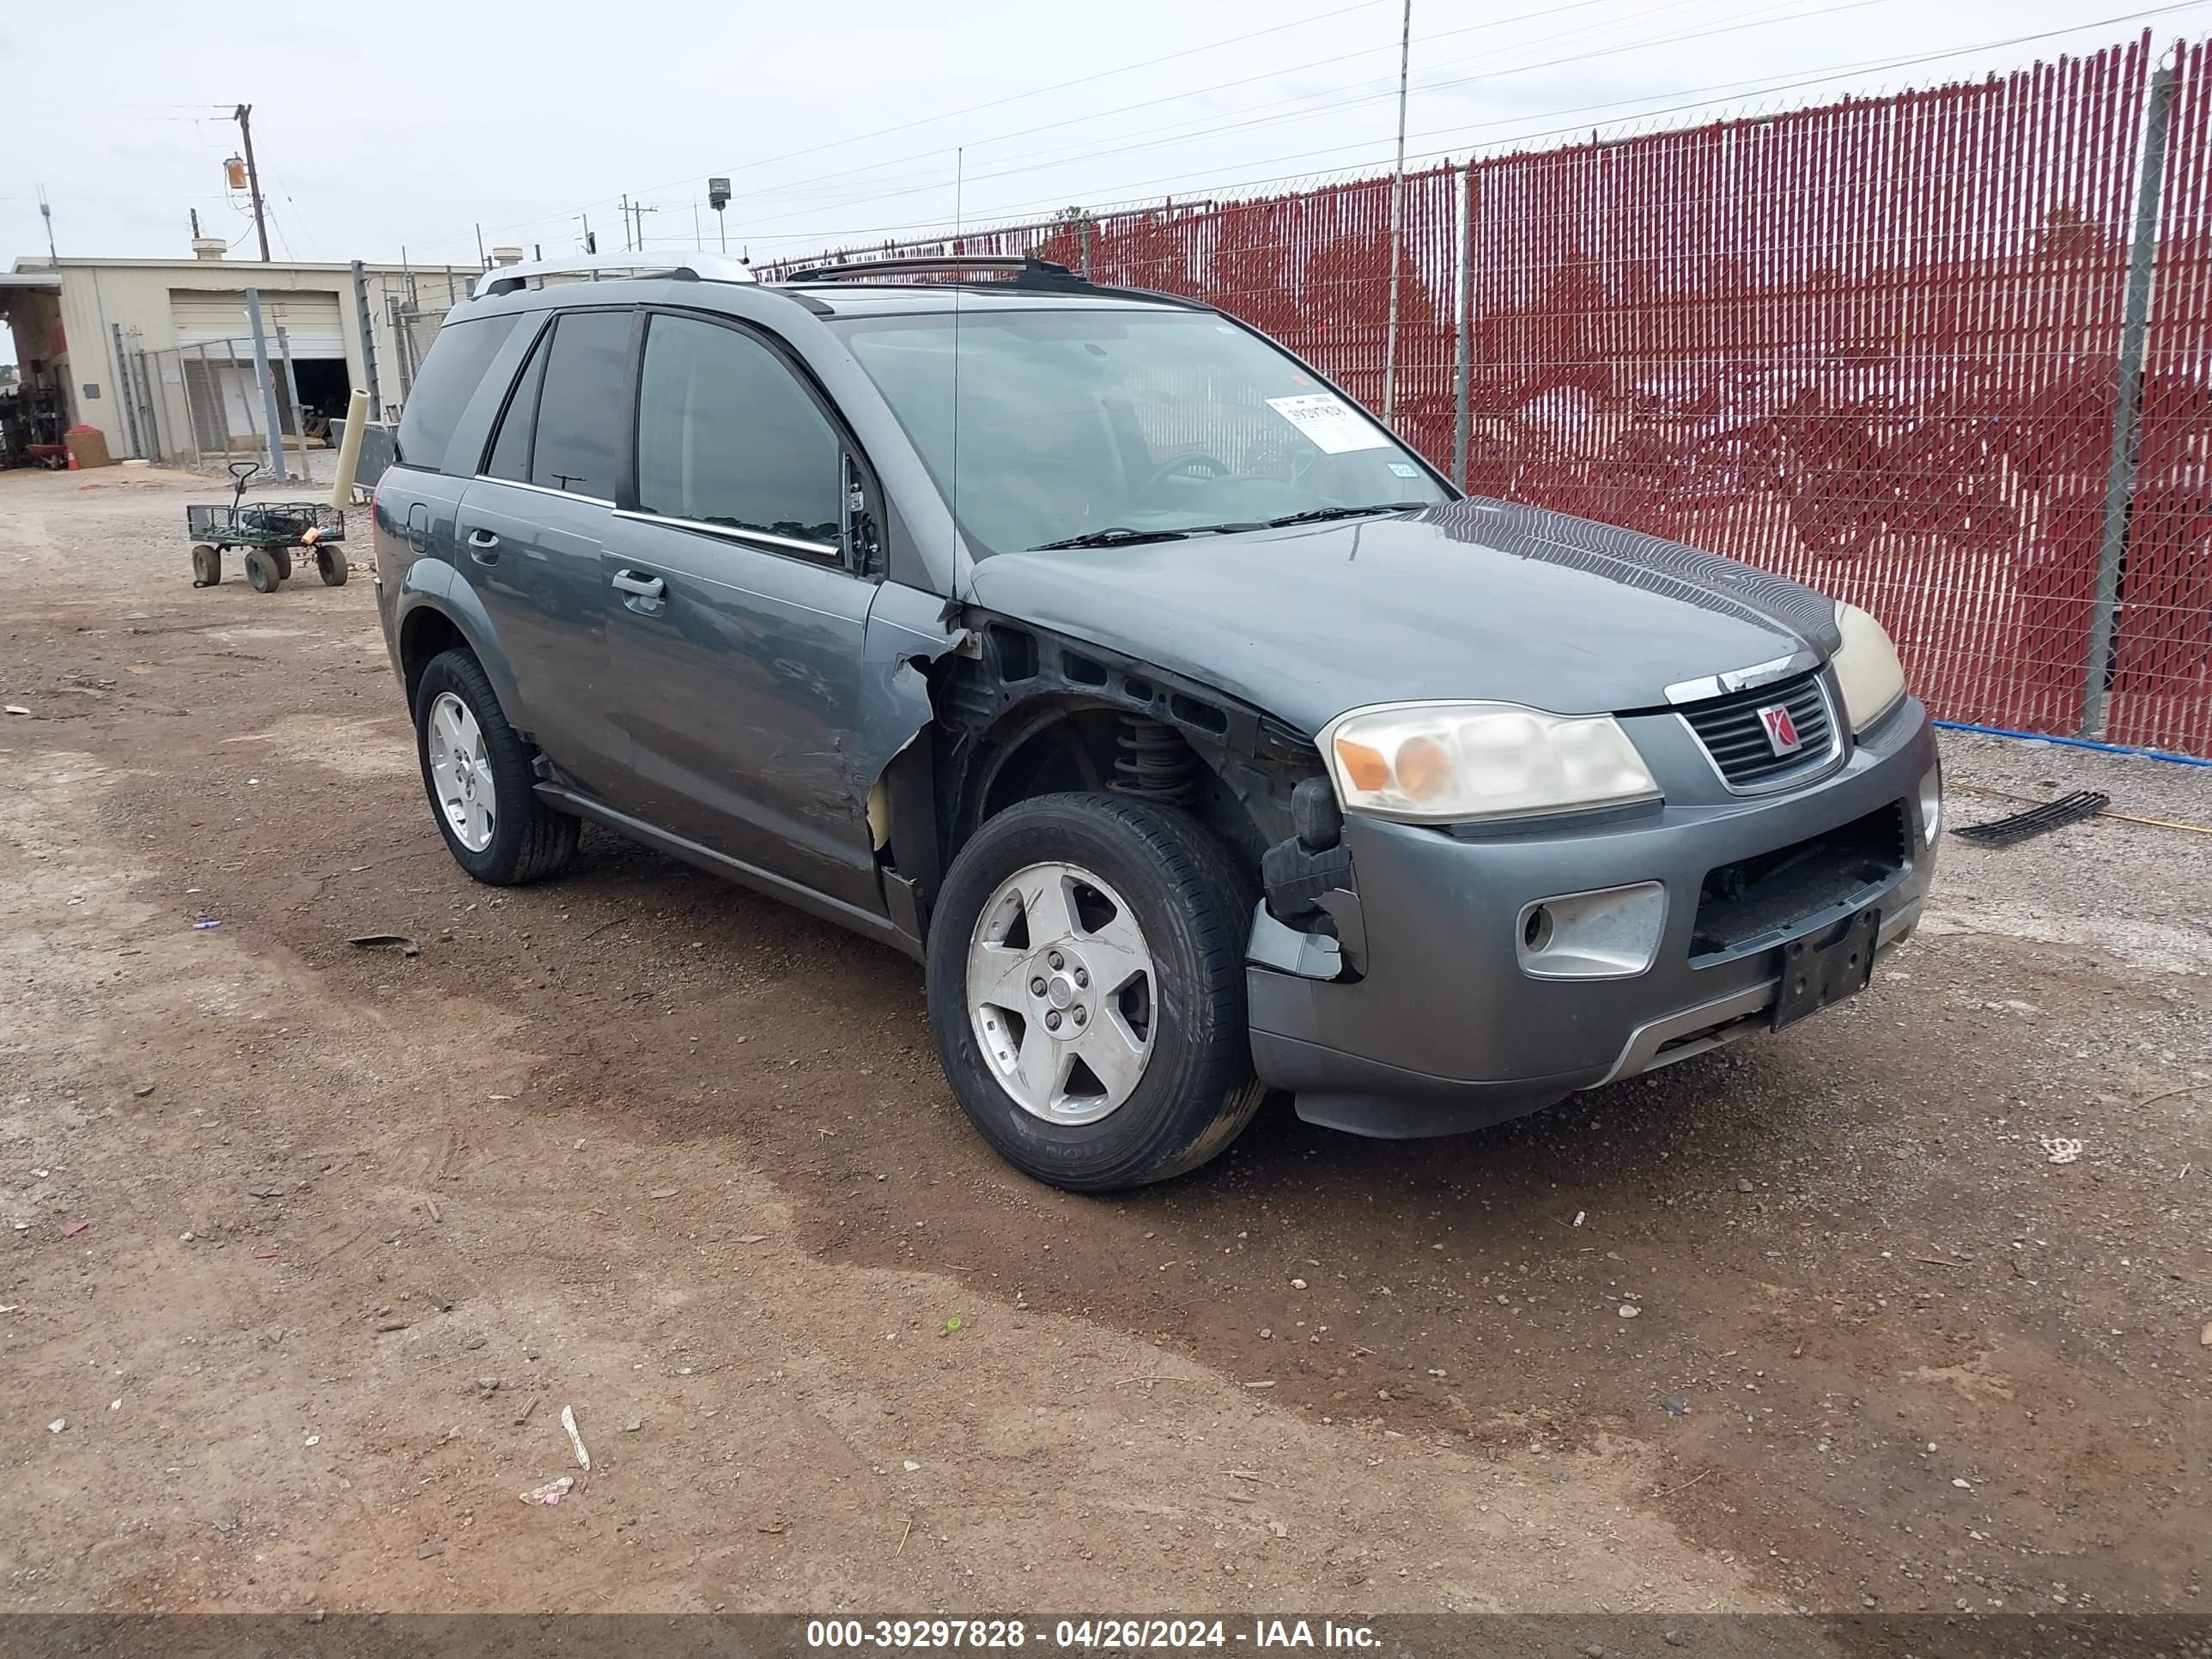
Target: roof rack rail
(1030, 274)
(692, 267)
(1026, 272)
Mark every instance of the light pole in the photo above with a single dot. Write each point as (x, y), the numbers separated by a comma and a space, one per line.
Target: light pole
(718, 198)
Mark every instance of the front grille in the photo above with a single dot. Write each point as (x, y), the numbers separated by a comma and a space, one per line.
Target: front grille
(1734, 733)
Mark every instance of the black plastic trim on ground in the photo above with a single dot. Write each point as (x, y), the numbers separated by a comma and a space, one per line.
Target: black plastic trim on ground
(2037, 820)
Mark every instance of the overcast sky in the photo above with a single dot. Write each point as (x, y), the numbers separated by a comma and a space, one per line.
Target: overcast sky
(408, 127)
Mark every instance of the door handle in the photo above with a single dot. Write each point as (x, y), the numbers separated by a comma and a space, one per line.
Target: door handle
(484, 546)
(639, 586)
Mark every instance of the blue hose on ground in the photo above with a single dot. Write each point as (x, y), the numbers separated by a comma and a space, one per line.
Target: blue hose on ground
(2072, 742)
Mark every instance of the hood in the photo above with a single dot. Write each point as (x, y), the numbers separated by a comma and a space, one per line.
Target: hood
(1475, 599)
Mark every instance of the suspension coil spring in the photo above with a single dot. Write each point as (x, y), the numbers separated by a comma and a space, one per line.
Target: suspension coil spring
(1152, 762)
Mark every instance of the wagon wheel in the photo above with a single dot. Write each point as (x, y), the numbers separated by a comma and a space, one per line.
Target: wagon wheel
(261, 570)
(207, 565)
(330, 564)
(283, 557)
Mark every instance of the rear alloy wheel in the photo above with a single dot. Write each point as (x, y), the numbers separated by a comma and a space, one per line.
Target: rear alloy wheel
(1086, 990)
(478, 774)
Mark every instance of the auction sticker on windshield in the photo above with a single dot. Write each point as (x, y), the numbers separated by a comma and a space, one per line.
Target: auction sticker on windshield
(1334, 425)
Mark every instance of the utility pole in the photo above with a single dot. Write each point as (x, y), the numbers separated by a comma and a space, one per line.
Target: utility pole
(634, 212)
(482, 264)
(245, 119)
(47, 213)
(1397, 222)
(625, 219)
(591, 242)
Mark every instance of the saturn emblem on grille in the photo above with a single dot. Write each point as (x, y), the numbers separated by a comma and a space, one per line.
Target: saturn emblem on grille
(1781, 731)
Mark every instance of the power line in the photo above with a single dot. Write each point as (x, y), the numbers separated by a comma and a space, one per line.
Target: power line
(971, 109)
(1179, 127)
(1126, 202)
(1430, 87)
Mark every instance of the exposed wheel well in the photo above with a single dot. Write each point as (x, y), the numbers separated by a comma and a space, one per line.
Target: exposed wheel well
(425, 635)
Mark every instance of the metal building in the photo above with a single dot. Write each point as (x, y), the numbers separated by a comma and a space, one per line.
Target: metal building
(158, 354)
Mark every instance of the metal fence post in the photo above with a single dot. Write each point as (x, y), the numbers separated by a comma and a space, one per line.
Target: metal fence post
(292, 394)
(145, 384)
(209, 388)
(268, 387)
(1463, 327)
(2120, 480)
(367, 340)
(130, 433)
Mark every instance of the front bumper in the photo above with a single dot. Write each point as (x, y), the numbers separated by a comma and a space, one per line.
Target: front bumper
(1439, 1029)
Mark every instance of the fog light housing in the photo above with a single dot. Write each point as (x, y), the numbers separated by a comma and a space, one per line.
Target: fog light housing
(1612, 933)
(1931, 803)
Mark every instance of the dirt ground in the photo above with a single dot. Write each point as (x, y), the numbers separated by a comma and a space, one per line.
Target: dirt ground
(304, 1247)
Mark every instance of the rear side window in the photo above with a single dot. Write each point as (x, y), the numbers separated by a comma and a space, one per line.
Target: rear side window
(726, 435)
(457, 359)
(581, 411)
(510, 451)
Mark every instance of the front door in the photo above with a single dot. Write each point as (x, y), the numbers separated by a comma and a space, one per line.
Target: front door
(533, 530)
(736, 620)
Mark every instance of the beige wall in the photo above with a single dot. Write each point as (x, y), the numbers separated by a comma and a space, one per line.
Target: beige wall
(96, 298)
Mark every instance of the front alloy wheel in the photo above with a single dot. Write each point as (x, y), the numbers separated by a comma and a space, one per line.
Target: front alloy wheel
(1060, 992)
(1086, 989)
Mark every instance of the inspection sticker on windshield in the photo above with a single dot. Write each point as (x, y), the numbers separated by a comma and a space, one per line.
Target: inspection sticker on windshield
(1333, 426)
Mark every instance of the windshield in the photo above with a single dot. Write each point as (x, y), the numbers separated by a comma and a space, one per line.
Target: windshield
(1102, 425)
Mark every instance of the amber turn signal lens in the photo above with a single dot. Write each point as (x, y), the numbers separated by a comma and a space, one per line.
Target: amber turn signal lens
(1365, 767)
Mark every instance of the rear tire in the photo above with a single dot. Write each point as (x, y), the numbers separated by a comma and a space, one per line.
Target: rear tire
(284, 558)
(207, 565)
(1129, 864)
(331, 565)
(261, 572)
(522, 839)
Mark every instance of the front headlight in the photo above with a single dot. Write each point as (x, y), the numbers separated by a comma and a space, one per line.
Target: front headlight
(1431, 763)
(1867, 668)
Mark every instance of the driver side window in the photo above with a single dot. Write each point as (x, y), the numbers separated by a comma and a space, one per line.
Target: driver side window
(727, 436)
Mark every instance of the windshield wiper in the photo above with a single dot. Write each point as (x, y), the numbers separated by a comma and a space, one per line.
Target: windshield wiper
(1118, 536)
(1321, 514)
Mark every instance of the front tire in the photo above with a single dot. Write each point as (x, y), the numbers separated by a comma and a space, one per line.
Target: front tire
(477, 772)
(1133, 919)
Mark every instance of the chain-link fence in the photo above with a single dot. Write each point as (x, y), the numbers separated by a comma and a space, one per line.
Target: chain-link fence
(201, 406)
(1946, 355)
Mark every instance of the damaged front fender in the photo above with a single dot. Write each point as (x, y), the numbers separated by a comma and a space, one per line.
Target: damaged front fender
(907, 631)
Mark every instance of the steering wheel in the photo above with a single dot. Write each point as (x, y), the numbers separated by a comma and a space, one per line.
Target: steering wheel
(1212, 463)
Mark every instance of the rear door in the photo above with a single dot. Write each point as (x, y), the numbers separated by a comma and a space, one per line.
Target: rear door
(533, 530)
(738, 621)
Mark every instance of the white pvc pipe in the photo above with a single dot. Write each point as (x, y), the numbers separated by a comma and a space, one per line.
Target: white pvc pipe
(349, 450)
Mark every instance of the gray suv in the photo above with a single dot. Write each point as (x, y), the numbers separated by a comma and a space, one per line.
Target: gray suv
(1194, 734)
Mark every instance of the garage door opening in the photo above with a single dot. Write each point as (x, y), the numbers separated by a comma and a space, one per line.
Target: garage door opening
(324, 388)
(217, 389)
